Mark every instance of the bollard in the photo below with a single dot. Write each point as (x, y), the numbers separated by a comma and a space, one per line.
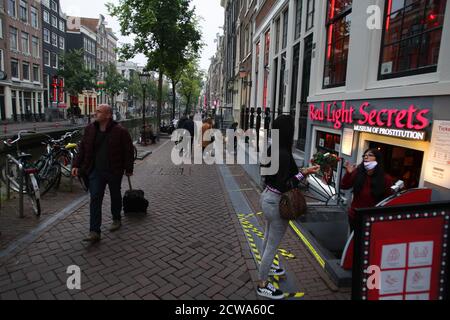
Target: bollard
(21, 194)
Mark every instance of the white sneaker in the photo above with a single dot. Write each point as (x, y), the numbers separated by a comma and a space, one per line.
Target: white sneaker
(269, 291)
(276, 271)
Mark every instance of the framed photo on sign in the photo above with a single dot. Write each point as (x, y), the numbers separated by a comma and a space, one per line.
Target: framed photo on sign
(401, 253)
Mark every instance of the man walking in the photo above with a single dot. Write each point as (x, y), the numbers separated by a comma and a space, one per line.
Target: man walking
(106, 153)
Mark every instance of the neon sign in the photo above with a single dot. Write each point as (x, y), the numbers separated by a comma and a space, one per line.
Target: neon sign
(412, 118)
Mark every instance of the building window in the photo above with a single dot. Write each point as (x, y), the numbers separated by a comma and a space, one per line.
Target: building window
(277, 35)
(46, 16)
(266, 67)
(25, 43)
(61, 43)
(54, 39)
(35, 47)
(338, 35)
(412, 37)
(2, 67)
(54, 60)
(61, 25)
(12, 8)
(34, 18)
(47, 58)
(26, 71)
(47, 35)
(54, 6)
(298, 18)
(285, 28)
(310, 14)
(14, 69)
(294, 82)
(13, 38)
(23, 11)
(36, 73)
(1, 28)
(54, 22)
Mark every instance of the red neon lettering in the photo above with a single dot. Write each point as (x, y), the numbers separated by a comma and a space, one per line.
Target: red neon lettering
(363, 113)
(400, 116)
(380, 122)
(423, 121)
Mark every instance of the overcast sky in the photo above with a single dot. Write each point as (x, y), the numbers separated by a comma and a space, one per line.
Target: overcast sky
(210, 11)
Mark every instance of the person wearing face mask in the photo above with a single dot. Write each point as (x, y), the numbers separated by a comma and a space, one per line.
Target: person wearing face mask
(369, 182)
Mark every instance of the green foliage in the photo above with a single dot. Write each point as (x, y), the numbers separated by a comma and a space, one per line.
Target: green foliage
(190, 85)
(76, 76)
(114, 82)
(166, 32)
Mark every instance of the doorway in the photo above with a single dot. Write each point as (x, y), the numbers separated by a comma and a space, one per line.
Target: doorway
(401, 163)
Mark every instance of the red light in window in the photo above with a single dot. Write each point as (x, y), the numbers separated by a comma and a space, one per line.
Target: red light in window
(330, 41)
(332, 9)
(388, 20)
(432, 17)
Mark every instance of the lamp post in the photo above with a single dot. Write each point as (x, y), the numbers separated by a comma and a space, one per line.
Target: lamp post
(144, 78)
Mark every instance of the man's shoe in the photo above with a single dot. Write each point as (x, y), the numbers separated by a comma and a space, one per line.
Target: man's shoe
(269, 291)
(276, 271)
(115, 225)
(93, 237)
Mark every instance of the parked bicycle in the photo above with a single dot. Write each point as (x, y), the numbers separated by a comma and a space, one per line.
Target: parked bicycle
(20, 174)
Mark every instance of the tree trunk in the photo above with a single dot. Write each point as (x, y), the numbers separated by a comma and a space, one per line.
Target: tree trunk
(174, 98)
(159, 106)
(188, 105)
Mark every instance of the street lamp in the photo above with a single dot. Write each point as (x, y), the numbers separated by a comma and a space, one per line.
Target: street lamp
(144, 78)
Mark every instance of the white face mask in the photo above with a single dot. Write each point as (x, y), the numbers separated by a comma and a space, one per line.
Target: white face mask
(370, 165)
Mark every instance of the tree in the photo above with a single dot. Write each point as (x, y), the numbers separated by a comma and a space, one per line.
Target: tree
(76, 79)
(115, 83)
(162, 30)
(76, 76)
(191, 82)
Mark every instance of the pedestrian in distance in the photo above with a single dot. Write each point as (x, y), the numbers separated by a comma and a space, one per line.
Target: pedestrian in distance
(287, 177)
(369, 182)
(189, 125)
(206, 126)
(105, 155)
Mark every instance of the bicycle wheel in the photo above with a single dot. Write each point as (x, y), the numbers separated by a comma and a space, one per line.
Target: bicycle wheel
(65, 161)
(49, 176)
(34, 194)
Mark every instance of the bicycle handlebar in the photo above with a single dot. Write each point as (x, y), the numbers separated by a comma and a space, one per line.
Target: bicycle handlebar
(19, 137)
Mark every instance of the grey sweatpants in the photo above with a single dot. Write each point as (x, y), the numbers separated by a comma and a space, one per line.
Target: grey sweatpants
(274, 232)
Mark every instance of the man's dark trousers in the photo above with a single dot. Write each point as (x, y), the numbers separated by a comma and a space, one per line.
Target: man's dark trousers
(97, 185)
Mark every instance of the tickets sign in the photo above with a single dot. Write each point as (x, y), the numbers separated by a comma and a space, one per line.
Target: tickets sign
(401, 253)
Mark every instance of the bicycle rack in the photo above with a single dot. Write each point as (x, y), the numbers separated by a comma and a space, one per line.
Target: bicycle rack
(8, 182)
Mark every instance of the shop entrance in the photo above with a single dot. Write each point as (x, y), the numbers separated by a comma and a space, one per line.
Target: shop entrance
(401, 163)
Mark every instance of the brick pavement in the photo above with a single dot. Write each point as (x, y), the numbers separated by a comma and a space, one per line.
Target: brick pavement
(189, 246)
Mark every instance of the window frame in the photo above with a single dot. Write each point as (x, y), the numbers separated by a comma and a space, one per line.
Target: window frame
(27, 42)
(39, 73)
(417, 71)
(48, 40)
(14, 8)
(54, 19)
(298, 19)
(49, 58)
(53, 5)
(46, 16)
(54, 36)
(34, 12)
(328, 22)
(16, 37)
(61, 23)
(310, 14)
(26, 63)
(21, 8)
(61, 42)
(38, 49)
(18, 69)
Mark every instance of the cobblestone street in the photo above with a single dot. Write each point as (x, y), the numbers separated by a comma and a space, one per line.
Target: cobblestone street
(190, 246)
